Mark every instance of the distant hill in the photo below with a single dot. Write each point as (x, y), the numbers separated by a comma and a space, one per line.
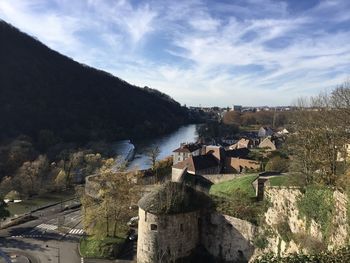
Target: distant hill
(44, 93)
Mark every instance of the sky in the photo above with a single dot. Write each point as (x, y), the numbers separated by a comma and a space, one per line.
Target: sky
(208, 53)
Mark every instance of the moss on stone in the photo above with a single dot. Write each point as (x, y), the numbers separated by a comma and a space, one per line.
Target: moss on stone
(174, 198)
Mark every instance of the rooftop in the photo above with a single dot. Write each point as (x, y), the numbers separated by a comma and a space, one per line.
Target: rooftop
(188, 148)
(200, 162)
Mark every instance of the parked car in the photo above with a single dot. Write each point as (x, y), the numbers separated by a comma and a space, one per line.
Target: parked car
(133, 222)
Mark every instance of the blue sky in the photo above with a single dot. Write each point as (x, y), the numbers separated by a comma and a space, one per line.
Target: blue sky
(250, 52)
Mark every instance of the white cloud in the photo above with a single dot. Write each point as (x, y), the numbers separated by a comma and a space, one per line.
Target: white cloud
(253, 53)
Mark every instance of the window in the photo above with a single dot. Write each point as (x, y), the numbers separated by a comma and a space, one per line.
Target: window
(181, 227)
(153, 227)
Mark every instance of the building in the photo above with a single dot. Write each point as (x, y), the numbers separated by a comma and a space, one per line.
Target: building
(267, 144)
(217, 151)
(185, 151)
(242, 143)
(237, 108)
(201, 164)
(265, 132)
(169, 223)
(239, 165)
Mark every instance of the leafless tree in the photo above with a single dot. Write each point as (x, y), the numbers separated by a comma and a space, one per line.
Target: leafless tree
(153, 154)
(320, 134)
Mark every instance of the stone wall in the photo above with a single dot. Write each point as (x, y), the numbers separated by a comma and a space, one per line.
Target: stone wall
(284, 209)
(166, 237)
(227, 238)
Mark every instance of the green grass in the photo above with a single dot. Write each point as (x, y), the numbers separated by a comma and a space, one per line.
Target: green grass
(27, 205)
(279, 181)
(108, 247)
(237, 198)
(243, 183)
(317, 204)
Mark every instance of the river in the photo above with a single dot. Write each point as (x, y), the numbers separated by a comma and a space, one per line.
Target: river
(166, 143)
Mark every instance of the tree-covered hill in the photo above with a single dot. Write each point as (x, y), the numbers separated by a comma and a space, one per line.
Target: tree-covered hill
(45, 93)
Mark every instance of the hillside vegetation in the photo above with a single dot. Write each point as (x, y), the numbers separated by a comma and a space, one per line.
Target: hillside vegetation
(50, 97)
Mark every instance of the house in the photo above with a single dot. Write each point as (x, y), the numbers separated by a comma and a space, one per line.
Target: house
(267, 144)
(237, 153)
(264, 132)
(242, 143)
(239, 165)
(217, 151)
(185, 151)
(200, 164)
(284, 131)
(237, 161)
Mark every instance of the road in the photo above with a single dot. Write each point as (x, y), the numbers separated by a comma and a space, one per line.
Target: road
(53, 237)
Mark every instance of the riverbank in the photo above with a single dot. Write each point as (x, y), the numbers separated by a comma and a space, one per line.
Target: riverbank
(136, 152)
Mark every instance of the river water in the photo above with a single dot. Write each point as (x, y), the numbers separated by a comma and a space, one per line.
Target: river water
(166, 143)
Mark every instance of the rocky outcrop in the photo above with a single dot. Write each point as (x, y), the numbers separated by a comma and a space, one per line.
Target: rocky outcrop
(341, 232)
(288, 230)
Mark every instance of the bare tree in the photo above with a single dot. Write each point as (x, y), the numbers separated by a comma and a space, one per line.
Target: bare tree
(319, 136)
(153, 154)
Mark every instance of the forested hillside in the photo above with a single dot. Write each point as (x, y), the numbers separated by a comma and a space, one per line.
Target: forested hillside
(49, 97)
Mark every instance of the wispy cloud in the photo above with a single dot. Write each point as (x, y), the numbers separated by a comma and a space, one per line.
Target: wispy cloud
(250, 52)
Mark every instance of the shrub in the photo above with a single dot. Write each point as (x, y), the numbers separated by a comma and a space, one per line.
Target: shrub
(109, 247)
(284, 231)
(260, 241)
(310, 243)
(317, 204)
(338, 256)
(242, 206)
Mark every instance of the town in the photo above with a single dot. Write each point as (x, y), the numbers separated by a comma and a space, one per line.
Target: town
(174, 131)
(213, 199)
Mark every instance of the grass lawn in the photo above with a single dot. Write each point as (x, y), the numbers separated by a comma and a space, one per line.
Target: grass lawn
(27, 205)
(237, 198)
(108, 247)
(243, 183)
(280, 180)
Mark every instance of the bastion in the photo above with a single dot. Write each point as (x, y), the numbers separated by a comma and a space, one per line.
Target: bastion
(169, 223)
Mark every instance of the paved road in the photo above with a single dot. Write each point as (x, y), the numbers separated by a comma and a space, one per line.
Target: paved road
(39, 251)
(42, 241)
(52, 238)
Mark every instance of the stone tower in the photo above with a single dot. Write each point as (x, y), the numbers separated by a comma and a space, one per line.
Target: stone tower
(169, 223)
